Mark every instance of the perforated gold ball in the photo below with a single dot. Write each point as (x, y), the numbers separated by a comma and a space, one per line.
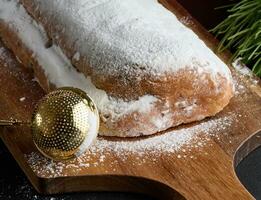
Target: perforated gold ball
(65, 123)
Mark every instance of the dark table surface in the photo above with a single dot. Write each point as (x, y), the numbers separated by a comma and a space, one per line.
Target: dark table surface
(15, 186)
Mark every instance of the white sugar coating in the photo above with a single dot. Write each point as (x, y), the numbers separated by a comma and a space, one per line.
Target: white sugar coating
(173, 143)
(58, 68)
(128, 37)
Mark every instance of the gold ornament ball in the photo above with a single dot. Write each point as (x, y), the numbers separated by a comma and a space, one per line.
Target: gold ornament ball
(65, 123)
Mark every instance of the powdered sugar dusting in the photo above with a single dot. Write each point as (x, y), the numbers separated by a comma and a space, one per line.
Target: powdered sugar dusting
(247, 75)
(243, 70)
(178, 142)
(168, 142)
(239, 87)
(130, 37)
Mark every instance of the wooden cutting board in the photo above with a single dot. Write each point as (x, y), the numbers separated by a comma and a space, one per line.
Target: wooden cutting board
(194, 161)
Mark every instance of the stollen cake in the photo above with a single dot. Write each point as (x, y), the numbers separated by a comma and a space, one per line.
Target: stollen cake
(144, 69)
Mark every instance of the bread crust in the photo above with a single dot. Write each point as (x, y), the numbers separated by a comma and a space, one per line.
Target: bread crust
(187, 95)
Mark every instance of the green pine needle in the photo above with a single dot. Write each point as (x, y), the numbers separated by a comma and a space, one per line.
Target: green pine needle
(241, 33)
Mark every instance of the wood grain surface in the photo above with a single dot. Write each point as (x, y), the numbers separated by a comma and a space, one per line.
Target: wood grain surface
(192, 172)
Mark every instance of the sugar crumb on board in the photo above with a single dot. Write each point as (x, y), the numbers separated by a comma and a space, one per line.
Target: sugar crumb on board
(22, 99)
(186, 20)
